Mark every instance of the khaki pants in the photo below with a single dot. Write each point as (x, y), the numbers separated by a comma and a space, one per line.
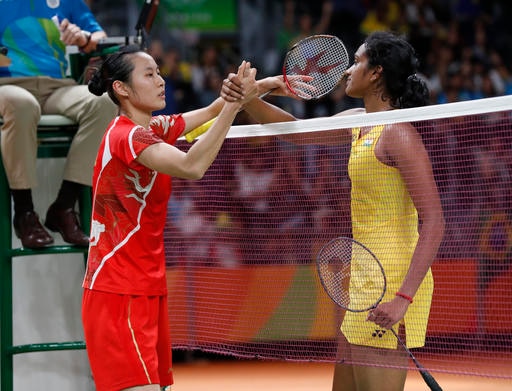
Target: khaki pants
(24, 99)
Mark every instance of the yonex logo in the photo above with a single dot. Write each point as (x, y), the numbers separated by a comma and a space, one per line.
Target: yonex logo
(378, 333)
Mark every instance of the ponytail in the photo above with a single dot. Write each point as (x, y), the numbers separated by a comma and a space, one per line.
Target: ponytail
(415, 93)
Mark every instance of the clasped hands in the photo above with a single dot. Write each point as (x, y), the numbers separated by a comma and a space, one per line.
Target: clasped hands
(233, 90)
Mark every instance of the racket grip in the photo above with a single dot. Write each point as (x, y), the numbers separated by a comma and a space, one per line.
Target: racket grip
(430, 381)
(195, 133)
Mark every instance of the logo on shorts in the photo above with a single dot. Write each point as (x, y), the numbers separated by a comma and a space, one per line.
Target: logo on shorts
(378, 333)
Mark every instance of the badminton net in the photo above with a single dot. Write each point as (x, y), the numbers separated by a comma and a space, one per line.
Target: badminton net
(241, 243)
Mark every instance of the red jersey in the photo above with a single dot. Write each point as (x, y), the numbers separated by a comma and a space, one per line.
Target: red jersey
(126, 252)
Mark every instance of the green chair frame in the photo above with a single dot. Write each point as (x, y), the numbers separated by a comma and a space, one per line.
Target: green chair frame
(55, 133)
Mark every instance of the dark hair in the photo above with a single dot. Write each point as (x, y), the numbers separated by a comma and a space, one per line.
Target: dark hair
(399, 66)
(116, 66)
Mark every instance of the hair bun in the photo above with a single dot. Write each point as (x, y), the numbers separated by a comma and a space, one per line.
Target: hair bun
(96, 84)
(412, 78)
(416, 92)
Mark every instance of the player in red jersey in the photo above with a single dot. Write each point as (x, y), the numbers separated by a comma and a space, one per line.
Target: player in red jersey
(124, 309)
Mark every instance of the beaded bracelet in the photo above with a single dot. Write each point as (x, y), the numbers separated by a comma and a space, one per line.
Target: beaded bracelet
(403, 295)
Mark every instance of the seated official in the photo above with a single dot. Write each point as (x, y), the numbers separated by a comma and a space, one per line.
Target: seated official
(33, 82)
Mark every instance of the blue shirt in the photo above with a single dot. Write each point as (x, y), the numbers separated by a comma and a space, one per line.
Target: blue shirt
(32, 38)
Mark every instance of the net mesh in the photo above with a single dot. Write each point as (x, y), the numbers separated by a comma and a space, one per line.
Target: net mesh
(241, 243)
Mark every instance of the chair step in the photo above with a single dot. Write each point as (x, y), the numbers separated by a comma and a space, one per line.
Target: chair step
(43, 347)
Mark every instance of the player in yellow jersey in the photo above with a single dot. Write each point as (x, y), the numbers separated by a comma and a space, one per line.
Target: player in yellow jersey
(393, 189)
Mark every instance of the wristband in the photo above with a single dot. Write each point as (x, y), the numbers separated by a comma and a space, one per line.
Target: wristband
(404, 296)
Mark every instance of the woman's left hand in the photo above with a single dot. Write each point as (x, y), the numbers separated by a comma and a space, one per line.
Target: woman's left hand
(388, 314)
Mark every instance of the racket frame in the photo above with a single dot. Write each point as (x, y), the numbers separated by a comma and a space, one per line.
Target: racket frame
(343, 54)
(195, 133)
(331, 294)
(425, 374)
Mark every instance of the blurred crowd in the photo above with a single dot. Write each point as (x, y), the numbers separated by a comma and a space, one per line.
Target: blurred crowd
(264, 199)
(464, 46)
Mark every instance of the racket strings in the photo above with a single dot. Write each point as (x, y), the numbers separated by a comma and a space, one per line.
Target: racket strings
(351, 275)
(334, 269)
(323, 58)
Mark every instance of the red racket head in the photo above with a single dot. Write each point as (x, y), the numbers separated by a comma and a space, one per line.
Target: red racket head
(322, 57)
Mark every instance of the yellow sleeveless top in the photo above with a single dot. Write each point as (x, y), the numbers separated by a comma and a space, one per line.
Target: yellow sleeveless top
(385, 220)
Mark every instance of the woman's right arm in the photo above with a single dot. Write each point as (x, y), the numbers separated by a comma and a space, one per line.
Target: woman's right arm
(264, 112)
(167, 159)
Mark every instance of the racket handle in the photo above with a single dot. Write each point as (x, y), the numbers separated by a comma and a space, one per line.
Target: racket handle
(427, 377)
(429, 380)
(195, 133)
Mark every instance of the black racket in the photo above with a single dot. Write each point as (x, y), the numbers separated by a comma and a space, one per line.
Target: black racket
(322, 58)
(343, 257)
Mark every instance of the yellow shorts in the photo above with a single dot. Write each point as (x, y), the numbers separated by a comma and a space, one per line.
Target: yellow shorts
(359, 331)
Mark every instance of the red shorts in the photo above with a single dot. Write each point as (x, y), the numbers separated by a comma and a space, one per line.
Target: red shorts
(127, 339)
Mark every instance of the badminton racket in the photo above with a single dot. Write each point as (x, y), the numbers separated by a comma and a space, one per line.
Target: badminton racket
(343, 258)
(322, 58)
